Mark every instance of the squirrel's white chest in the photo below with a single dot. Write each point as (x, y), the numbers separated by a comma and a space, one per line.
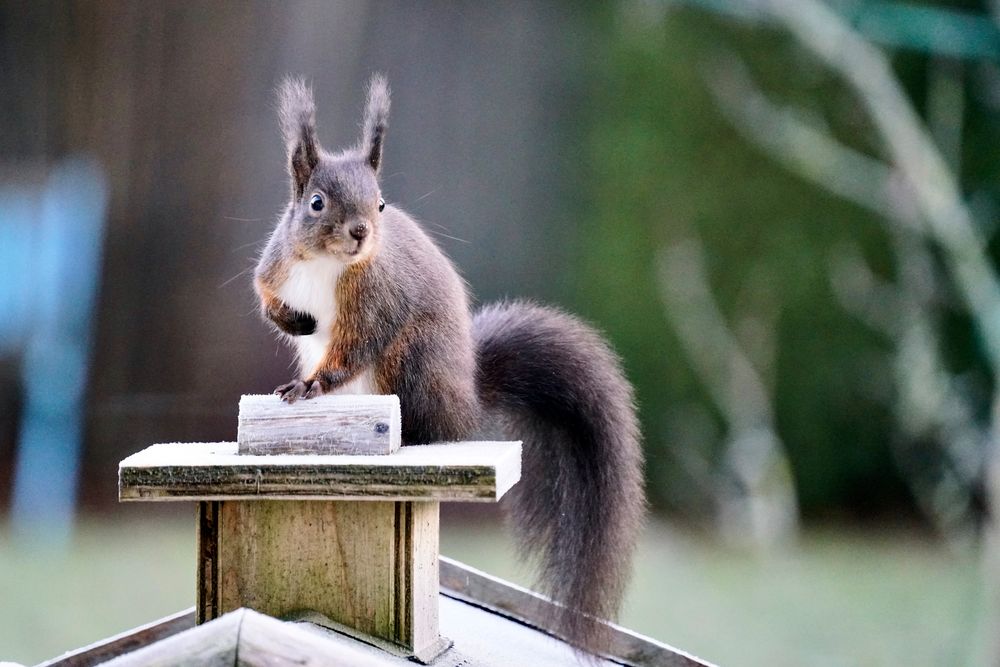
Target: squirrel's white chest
(311, 287)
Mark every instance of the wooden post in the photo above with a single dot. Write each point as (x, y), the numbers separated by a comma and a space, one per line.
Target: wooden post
(351, 537)
(370, 566)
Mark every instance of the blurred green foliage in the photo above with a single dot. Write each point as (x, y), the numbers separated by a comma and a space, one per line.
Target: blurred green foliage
(664, 165)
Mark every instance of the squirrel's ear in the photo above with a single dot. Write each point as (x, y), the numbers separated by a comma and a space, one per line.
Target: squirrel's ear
(376, 121)
(297, 115)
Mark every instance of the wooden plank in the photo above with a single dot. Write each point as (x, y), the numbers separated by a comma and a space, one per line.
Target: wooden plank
(125, 642)
(241, 637)
(369, 566)
(209, 645)
(245, 637)
(420, 551)
(362, 424)
(487, 638)
(267, 641)
(461, 582)
(466, 471)
(329, 557)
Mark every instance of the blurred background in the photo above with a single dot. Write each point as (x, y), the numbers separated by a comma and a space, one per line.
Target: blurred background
(782, 213)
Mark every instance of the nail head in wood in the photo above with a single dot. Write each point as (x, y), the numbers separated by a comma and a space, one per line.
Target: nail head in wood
(365, 424)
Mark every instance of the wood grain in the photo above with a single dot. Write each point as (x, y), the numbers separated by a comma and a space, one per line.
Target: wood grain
(250, 639)
(268, 642)
(369, 566)
(365, 424)
(466, 471)
(210, 645)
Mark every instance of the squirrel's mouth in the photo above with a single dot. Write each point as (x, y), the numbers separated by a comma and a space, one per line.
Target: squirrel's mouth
(354, 248)
(349, 250)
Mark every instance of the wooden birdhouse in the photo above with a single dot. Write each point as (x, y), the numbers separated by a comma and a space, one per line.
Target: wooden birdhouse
(317, 509)
(317, 544)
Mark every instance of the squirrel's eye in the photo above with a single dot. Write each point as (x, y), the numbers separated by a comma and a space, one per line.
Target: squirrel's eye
(316, 203)
(381, 204)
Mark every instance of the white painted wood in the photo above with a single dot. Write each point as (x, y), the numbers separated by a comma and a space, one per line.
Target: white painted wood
(465, 471)
(267, 641)
(211, 645)
(246, 637)
(365, 424)
(621, 645)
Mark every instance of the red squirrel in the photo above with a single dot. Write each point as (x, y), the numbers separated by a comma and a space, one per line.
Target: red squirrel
(371, 305)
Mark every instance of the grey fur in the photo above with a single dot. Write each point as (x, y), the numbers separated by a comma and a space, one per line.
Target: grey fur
(376, 120)
(297, 117)
(548, 379)
(517, 369)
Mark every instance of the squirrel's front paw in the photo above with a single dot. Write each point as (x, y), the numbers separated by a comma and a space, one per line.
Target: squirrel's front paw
(298, 324)
(296, 389)
(292, 322)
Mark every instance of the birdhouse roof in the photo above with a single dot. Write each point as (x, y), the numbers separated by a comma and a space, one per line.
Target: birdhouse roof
(489, 621)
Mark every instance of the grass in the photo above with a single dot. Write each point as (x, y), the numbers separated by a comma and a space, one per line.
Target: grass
(838, 599)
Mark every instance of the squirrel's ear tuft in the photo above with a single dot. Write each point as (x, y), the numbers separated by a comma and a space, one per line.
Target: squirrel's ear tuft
(376, 120)
(297, 116)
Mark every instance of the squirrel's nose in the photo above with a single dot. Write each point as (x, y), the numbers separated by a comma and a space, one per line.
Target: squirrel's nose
(359, 230)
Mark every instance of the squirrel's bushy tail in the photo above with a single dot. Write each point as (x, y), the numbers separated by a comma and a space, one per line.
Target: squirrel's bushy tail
(551, 381)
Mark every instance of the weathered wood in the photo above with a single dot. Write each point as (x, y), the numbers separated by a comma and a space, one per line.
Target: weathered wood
(370, 566)
(283, 534)
(210, 645)
(265, 641)
(325, 626)
(125, 642)
(422, 579)
(467, 471)
(461, 582)
(365, 424)
(245, 637)
(207, 578)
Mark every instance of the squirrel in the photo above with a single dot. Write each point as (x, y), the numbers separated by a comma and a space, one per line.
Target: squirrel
(372, 305)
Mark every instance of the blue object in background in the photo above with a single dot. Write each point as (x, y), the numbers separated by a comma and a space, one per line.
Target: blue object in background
(50, 257)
